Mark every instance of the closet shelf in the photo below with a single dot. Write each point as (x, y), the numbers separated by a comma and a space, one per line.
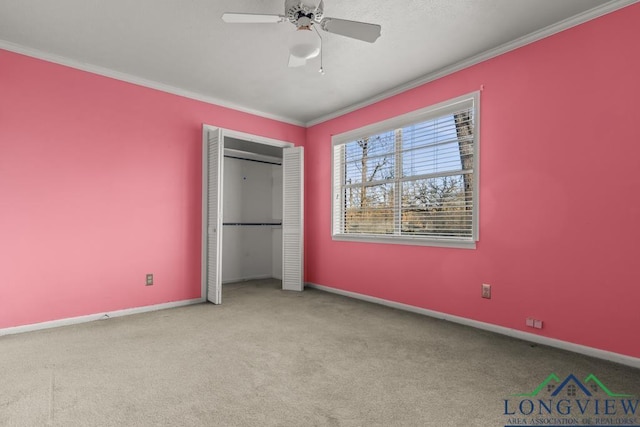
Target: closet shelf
(252, 223)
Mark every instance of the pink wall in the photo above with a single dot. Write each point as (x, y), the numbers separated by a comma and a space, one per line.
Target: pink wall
(100, 183)
(559, 204)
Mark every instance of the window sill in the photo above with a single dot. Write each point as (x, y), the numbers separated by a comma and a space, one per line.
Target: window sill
(406, 240)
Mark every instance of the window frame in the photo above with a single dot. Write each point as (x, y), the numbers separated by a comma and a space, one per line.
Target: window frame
(424, 114)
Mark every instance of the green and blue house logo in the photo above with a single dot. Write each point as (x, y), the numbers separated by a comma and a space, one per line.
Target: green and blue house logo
(572, 402)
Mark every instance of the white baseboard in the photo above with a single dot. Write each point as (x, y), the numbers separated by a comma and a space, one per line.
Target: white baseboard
(97, 316)
(526, 336)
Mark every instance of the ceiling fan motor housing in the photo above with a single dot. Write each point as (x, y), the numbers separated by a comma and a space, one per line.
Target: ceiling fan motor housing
(303, 13)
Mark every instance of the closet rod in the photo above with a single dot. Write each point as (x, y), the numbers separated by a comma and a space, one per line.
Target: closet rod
(252, 223)
(253, 160)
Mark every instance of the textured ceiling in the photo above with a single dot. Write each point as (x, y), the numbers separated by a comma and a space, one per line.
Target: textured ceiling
(184, 47)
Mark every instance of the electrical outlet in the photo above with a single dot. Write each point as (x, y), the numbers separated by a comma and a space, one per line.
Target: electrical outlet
(149, 279)
(486, 291)
(534, 323)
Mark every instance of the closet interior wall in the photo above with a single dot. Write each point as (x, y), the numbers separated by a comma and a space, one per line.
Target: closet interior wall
(252, 217)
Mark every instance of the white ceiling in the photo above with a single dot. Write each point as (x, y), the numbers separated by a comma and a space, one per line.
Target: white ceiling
(184, 47)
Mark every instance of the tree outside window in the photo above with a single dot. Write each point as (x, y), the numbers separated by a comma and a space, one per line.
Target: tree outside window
(414, 181)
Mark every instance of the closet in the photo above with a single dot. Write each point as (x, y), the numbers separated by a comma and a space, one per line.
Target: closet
(252, 211)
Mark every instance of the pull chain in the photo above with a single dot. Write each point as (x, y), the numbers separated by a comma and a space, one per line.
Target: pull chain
(321, 70)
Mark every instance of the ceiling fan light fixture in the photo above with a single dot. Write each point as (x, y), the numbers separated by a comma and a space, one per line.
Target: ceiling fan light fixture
(304, 44)
(308, 16)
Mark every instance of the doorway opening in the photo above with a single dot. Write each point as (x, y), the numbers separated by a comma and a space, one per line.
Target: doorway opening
(252, 211)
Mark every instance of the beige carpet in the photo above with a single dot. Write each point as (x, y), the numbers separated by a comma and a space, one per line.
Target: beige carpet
(272, 358)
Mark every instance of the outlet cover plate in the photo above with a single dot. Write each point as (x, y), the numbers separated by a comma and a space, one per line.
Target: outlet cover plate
(486, 291)
(149, 280)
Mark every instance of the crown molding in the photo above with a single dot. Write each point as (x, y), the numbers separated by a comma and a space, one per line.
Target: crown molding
(586, 16)
(106, 72)
(558, 27)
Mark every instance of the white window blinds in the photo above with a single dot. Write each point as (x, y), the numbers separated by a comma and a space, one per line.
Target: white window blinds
(412, 179)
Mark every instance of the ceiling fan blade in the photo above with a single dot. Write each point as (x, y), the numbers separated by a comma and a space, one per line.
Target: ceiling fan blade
(251, 18)
(295, 61)
(354, 29)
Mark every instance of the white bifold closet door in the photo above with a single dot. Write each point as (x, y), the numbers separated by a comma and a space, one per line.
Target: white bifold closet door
(212, 171)
(292, 219)
(292, 216)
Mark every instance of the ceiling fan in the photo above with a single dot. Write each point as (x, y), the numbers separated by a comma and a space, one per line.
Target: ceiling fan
(304, 14)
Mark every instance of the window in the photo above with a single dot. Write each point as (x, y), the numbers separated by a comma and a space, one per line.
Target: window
(412, 179)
